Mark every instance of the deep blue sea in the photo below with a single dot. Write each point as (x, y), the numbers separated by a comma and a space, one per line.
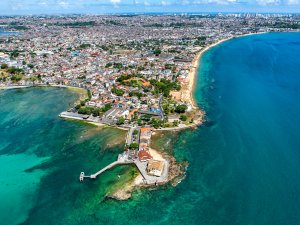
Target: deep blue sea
(244, 162)
(251, 91)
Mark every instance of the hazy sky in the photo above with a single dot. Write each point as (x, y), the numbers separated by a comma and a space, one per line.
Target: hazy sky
(116, 6)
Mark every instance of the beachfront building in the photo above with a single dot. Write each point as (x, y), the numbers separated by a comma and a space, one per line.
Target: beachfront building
(144, 155)
(155, 167)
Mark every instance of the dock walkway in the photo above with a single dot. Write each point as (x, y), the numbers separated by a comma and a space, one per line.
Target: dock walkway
(113, 164)
(122, 160)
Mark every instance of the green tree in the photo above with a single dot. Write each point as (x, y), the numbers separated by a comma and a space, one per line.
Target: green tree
(120, 121)
(14, 54)
(146, 117)
(15, 70)
(4, 66)
(175, 123)
(30, 65)
(16, 77)
(139, 122)
(156, 123)
(82, 103)
(181, 108)
(136, 93)
(83, 46)
(108, 65)
(183, 117)
(123, 77)
(118, 65)
(89, 94)
(96, 112)
(33, 79)
(166, 108)
(85, 110)
(164, 86)
(157, 52)
(133, 145)
(117, 91)
(106, 107)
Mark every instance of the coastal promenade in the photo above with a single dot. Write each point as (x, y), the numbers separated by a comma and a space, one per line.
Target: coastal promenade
(35, 85)
(13, 87)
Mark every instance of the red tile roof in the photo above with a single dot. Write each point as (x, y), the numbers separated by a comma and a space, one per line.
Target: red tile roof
(144, 155)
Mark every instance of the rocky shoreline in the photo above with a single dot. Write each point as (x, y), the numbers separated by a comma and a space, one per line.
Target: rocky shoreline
(175, 176)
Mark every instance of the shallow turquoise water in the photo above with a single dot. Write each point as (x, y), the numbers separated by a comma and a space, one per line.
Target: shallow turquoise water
(243, 162)
(41, 157)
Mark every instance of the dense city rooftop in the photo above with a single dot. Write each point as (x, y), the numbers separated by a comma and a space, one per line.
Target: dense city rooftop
(135, 67)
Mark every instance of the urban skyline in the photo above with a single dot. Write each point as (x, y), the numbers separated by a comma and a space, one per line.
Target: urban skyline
(29, 7)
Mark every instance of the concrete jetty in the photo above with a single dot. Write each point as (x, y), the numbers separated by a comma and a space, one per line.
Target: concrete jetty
(113, 164)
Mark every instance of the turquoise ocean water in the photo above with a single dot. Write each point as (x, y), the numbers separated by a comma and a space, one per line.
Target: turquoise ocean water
(244, 162)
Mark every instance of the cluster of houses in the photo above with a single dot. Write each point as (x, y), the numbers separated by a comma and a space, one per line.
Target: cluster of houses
(85, 55)
(100, 49)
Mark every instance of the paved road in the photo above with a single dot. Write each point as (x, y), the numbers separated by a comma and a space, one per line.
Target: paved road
(129, 138)
(160, 107)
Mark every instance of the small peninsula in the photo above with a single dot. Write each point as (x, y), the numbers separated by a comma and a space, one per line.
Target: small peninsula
(133, 73)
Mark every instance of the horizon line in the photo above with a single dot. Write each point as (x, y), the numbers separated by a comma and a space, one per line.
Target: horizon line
(148, 13)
